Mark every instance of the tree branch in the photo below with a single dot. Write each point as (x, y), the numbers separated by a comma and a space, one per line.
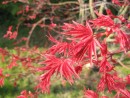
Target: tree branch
(123, 64)
(64, 3)
(32, 29)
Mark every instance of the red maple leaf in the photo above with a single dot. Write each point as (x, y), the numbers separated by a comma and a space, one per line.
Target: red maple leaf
(123, 39)
(103, 20)
(60, 65)
(56, 65)
(105, 66)
(85, 42)
(25, 94)
(90, 94)
(128, 79)
(118, 2)
(112, 82)
(59, 47)
(44, 83)
(10, 34)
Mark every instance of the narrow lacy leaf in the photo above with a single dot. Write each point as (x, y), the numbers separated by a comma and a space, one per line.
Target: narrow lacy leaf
(103, 20)
(90, 94)
(44, 84)
(105, 66)
(59, 47)
(56, 65)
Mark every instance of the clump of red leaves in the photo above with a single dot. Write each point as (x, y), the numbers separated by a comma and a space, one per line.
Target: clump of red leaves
(10, 34)
(26, 94)
(83, 44)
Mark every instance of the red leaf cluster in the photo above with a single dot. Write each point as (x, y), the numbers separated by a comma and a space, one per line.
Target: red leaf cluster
(55, 65)
(10, 34)
(25, 94)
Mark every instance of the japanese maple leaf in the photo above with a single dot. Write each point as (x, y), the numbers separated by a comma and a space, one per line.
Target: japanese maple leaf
(107, 80)
(78, 68)
(117, 2)
(14, 61)
(104, 50)
(61, 66)
(59, 47)
(87, 47)
(10, 34)
(103, 20)
(128, 25)
(105, 66)
(1, 77)
(51, 62)
(27, 8)
(123, 39)
(66, 70)
(112, 82)
(128, 79)
(25, 94)
(77, 31)
(1, 72)
(124, 92)
(3, 53)
(1, 82)
(85, 41)
(104, 97)
(90, 94)
(44, 83)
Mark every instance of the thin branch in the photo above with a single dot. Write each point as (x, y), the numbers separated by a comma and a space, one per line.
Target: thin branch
(91, 8)
(103, 5)
(32, 29)
(82, 15)
(123, 10)
(123, 64)
(63, 3)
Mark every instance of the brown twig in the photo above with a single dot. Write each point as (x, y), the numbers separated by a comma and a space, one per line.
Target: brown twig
(64, 3)
(123, 64)
(32, 29)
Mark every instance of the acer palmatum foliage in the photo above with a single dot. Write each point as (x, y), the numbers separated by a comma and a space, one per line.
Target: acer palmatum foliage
(10, 34)
(82, 44)
(25, 94)
(90, 43)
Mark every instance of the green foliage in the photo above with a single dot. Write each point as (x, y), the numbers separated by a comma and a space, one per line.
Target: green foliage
(8, 14)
